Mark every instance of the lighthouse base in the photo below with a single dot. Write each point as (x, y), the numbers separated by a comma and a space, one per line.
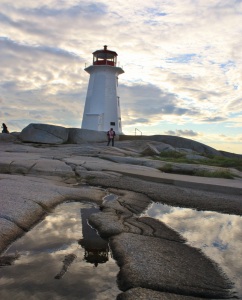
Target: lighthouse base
(93, 122)
(102, 107)
(80, 136)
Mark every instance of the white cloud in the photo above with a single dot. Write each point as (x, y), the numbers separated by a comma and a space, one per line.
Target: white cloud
(182, 60)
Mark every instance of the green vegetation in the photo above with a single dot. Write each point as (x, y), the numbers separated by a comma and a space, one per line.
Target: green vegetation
(167, 168)
(172, 155)
(217, 174)
(218, 161)
(226, 162)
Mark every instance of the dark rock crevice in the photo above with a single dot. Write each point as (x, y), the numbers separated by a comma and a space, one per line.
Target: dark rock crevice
(25, 229)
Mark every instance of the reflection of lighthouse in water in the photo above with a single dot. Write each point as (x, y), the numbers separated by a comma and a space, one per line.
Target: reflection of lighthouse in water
(96, 249)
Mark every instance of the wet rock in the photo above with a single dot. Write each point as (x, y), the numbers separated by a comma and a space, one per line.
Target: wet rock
(108, 223)
(152, 255)
(160, 230)
(118, 216)
(173, 195)
(136, 203)
(167, 266)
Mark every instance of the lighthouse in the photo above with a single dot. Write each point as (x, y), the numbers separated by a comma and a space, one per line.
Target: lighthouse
(102, 106)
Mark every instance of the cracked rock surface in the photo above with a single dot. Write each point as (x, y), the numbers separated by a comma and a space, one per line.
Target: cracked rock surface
(153, 256)
(155, 261)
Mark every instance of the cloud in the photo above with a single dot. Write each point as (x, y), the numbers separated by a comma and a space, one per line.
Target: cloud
(152, 102)
(82, 9)
(213, 119)
(16, 47)
(189, 133)
(217, 240)
(43, 78)
(182, 61)
(235, 105)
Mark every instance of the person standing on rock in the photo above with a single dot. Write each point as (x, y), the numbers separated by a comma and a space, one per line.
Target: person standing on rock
(5, 128)
(111, 134)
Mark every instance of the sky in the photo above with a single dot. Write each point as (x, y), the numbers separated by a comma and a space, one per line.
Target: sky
(182, 63)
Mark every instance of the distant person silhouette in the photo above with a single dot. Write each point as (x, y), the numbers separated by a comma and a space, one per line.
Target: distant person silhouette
(5, 128)
(111, 134)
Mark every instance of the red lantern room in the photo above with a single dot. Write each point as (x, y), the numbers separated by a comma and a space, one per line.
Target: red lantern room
(105, 57)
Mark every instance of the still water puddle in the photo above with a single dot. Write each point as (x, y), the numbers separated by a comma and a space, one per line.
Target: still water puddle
(61, 258)
(218, 235)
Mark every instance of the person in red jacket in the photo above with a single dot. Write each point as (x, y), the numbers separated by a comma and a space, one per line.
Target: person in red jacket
(111, 135)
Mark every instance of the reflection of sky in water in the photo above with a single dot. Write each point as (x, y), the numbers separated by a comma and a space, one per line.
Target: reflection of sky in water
(42, 251)
(218, 235)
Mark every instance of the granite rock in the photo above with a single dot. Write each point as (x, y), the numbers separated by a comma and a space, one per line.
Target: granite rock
(82, 136)
(44, 133)
(169, 267)
(6, 137)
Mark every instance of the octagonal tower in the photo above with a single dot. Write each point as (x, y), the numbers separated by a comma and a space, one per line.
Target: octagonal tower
(102, 106)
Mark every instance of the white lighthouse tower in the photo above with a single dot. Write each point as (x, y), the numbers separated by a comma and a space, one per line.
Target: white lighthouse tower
(102, 107)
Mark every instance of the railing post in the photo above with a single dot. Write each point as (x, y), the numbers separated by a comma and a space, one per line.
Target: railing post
(136, 129)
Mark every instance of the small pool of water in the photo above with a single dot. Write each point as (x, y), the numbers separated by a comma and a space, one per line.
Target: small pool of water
(218, 235)
(61, 258)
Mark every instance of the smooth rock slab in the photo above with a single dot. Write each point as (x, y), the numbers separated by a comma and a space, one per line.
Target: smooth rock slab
(39, 166)
(44, 133)
(166, 266)
(117, 216)
(140, 161)
(20, 212)
(82, 136)
(108, 224)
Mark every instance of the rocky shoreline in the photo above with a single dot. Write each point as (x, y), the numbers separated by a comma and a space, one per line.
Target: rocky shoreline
(37, 177)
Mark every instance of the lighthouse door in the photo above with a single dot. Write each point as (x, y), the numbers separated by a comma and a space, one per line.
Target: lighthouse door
(100, 122)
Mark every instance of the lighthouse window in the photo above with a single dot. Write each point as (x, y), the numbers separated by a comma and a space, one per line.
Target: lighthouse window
(112, 123)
